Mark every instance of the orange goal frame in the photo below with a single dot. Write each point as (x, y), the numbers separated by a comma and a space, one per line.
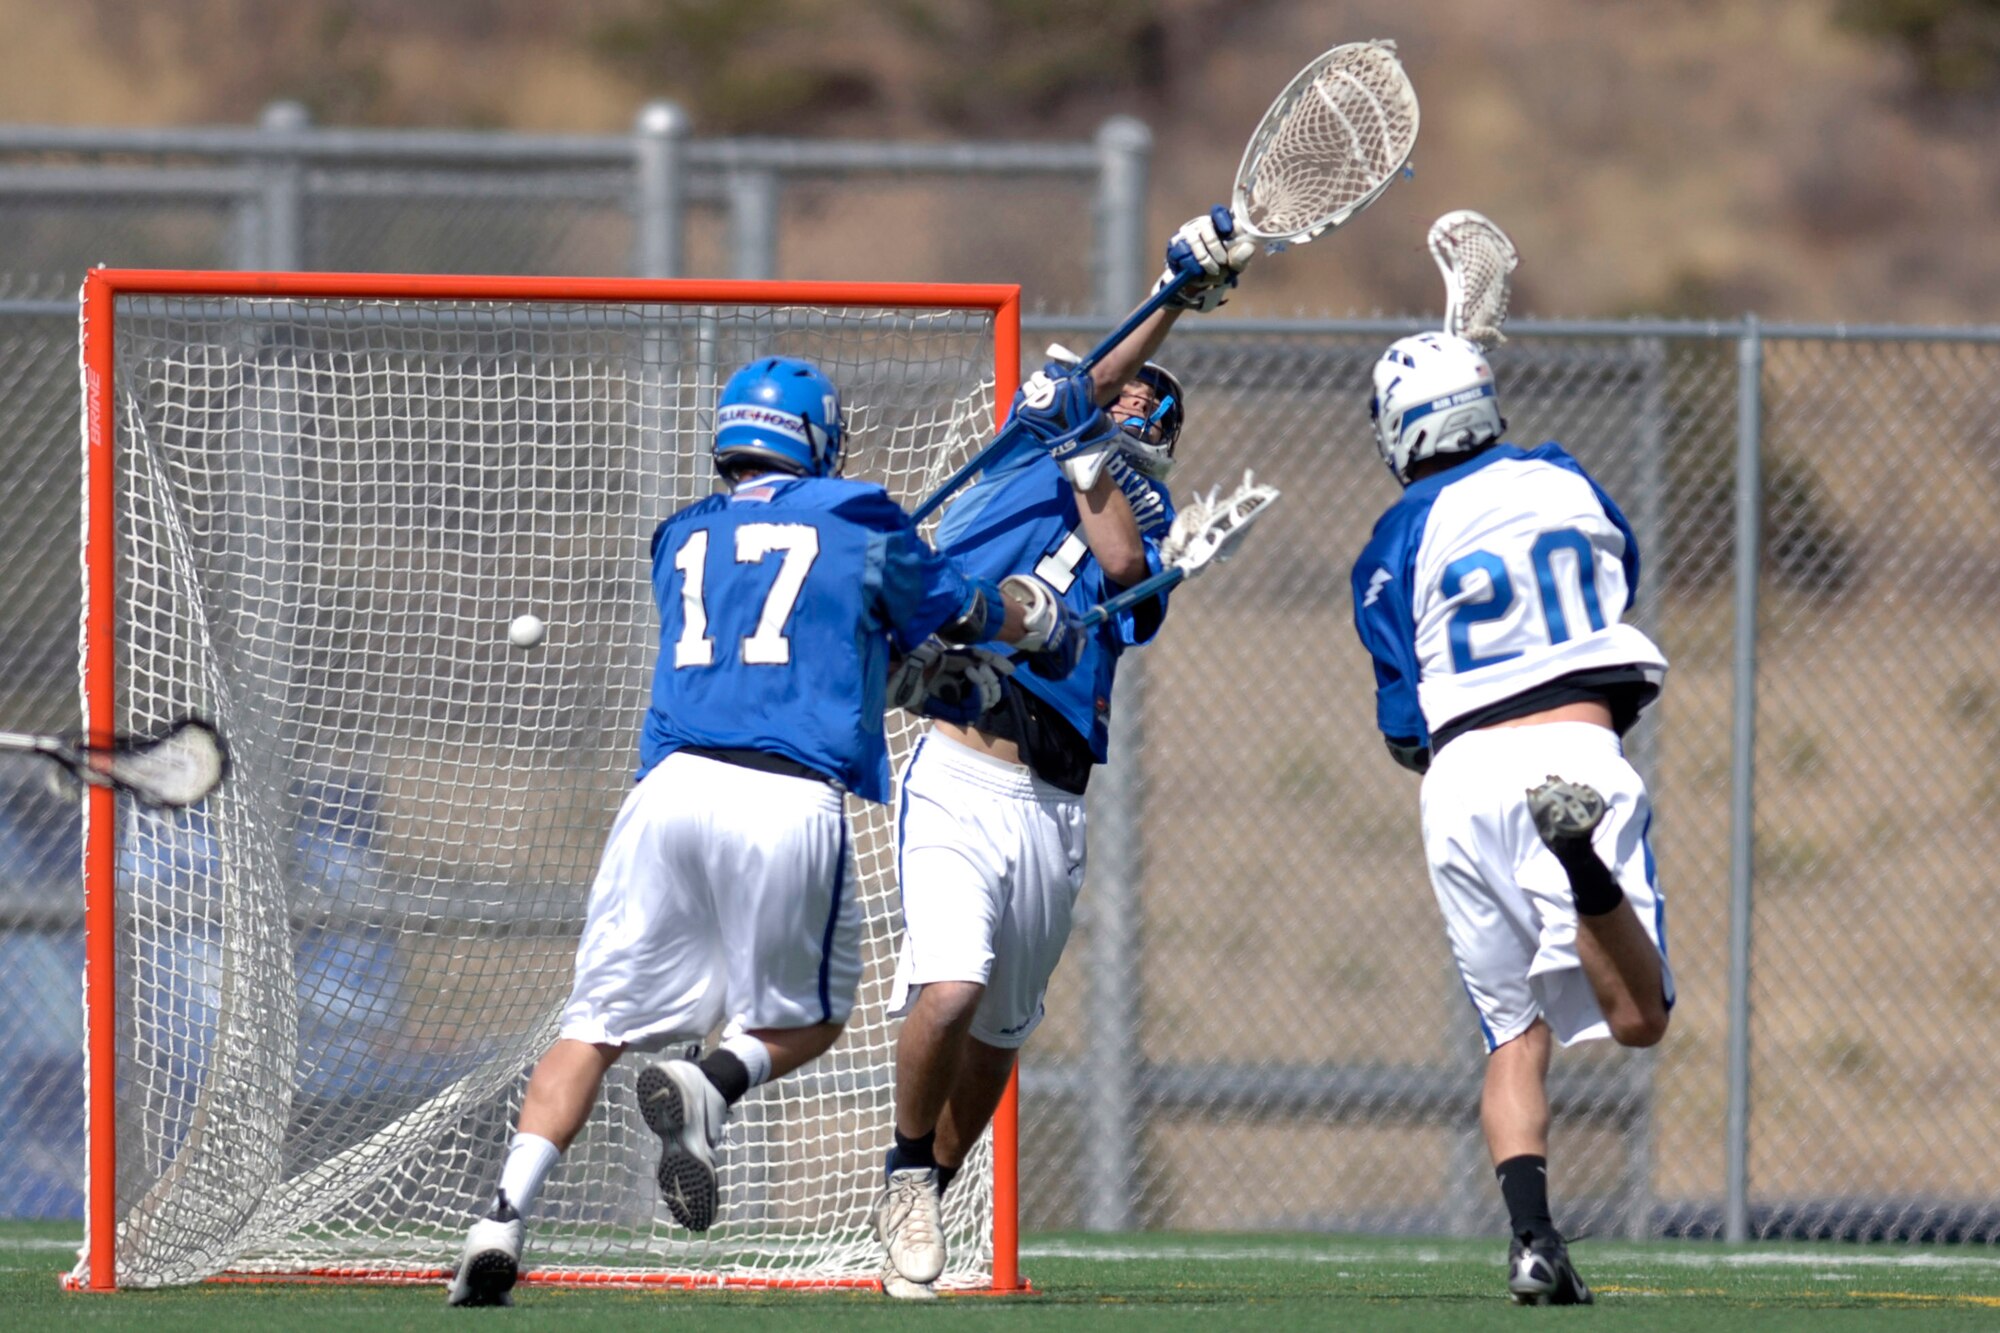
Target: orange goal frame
(101, 289)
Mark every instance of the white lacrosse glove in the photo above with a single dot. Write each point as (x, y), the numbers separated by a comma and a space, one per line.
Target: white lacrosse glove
(1211, 245)
(950, 684)
(1053, 640)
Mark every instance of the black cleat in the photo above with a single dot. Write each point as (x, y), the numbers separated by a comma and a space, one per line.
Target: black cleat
(1539, 1272)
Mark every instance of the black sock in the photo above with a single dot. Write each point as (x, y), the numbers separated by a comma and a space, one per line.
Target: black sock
(945, 1173)
(1524, 1184)
(729, 1074)
(1590, 881)
(919, 1154)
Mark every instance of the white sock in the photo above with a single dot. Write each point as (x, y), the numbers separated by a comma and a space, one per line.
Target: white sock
(754, 1054)
(530, 1158)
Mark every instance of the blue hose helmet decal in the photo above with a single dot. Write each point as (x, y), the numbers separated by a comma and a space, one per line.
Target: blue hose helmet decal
(780, 412)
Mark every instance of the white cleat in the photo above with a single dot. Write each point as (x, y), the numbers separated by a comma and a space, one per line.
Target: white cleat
(685, 1110)
(491, 1260)
(908, 1218)
(898, 1287)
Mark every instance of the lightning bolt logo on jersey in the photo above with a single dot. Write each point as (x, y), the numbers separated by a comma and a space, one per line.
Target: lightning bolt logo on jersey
(1501, 575)
(1021, 518)
(777, 604)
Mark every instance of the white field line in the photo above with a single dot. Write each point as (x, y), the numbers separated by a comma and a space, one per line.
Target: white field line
(1691, 1257)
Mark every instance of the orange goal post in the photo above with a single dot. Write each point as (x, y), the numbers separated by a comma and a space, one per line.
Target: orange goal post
(312, 505)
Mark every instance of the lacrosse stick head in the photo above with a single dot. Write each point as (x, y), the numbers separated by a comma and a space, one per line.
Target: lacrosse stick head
(1210, 529)
(1478, 262)
(1337, 136)
(176, 768)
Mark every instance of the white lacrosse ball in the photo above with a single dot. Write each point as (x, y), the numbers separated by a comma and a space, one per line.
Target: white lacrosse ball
(526, 631)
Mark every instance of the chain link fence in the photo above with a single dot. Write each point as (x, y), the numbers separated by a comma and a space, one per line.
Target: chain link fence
(657, 202)
(1258, 1024)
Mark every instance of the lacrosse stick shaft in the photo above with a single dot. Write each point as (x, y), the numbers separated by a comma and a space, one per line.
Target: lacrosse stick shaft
(16, 740)
(1007, 434)
(1143, 590)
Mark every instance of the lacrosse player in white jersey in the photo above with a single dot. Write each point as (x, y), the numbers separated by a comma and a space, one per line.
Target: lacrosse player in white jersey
(990, 836)
(1490, 598)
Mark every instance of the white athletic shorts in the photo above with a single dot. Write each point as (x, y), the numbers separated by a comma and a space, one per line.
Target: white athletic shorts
(1508, 911)
(990, 858)
(725, 894)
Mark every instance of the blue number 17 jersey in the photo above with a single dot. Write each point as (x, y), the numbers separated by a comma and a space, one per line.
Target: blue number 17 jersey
(777, 602)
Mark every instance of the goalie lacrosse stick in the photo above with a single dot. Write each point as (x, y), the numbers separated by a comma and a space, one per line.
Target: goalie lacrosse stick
(175, 767)
(1477, 261)
(1337, 136)
(1206, 532)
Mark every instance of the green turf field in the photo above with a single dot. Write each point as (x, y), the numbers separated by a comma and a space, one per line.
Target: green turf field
(1138, 1282)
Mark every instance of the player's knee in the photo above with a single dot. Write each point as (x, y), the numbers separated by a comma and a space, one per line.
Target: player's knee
(948, 1004)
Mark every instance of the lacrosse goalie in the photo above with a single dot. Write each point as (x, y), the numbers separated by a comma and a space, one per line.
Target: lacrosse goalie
(991, 815)
(1490, 598)
(719, 899)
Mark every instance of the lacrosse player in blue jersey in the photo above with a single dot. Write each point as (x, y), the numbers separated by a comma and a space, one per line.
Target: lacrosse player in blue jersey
(1490, 598)
(990, 819)
(723, 894)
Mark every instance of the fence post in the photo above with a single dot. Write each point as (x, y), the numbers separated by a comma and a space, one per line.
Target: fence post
(1124, 153)
(1111, 1149)
(659, 190)
(1642, 745)
(280, 193)
(753, 224)
(1743, 769)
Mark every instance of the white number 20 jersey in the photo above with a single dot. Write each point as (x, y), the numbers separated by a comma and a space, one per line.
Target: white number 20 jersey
(1491, 579)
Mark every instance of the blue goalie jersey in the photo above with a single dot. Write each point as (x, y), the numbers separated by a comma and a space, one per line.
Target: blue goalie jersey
(777, 604)
(1021, 517)
(1505, 575)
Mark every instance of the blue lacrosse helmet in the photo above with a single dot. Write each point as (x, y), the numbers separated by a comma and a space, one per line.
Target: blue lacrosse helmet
(780, 412)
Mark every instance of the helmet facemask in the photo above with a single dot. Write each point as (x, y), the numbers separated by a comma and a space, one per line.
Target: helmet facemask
(1150, 410)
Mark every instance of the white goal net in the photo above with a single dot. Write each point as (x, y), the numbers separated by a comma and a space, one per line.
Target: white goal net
(333, 976)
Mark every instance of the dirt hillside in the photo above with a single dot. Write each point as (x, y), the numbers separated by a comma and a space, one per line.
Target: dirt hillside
(1699, 157)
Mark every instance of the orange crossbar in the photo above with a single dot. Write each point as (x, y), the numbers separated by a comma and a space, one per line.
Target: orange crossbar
(101, 288)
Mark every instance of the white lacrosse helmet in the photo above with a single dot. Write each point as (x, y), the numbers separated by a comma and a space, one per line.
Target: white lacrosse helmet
(1434, 395)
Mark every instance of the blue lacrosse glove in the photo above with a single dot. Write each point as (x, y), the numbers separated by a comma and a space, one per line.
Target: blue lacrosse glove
(1058, 408)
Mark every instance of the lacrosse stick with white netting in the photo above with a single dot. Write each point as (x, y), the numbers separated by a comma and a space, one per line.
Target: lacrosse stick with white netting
(1478, 262)
(1206, 531)
(1338, 135)
(175, 767)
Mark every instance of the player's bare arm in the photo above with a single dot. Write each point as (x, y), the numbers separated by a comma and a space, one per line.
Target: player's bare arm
(1222, 252)
(1112, 532)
